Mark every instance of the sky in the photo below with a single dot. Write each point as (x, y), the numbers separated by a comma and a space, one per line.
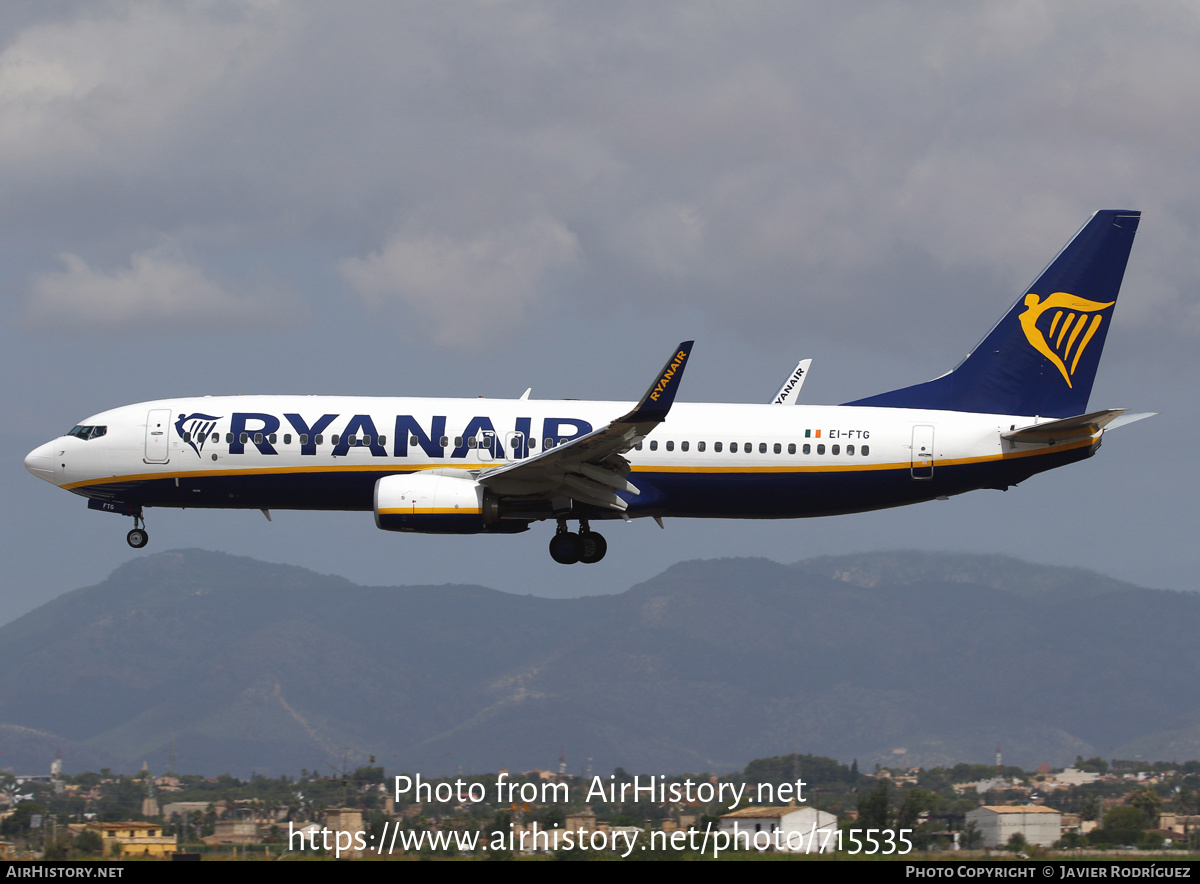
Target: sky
(465, 199)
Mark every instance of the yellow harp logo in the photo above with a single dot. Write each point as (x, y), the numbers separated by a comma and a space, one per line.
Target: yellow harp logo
(1066, 338)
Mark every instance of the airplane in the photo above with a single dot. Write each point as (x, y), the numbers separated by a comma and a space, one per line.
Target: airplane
(1014, 407)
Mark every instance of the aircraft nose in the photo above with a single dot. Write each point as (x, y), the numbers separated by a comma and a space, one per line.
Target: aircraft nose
(40, 462)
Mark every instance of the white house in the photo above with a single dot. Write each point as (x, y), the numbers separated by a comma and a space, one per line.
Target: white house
(789, 829)
(998, 823)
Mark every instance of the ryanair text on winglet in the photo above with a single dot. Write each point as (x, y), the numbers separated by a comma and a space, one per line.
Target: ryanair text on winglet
(665, 380)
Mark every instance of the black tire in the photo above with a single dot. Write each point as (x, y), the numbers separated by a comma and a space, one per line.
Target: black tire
(564, 548)
(137, 538)
(592, 547)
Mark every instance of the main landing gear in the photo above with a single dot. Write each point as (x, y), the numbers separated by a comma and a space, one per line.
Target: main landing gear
(587, 546)
(137, 538)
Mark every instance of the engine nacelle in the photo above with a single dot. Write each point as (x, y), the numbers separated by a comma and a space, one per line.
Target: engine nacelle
(436, 504)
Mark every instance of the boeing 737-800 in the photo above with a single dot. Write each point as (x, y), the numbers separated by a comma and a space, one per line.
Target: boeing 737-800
(1016, 406)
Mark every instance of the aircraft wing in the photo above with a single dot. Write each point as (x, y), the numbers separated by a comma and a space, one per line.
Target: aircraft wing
(590, 469)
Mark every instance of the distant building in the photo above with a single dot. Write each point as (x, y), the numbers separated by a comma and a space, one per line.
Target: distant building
(789, 829)
(1073, 777)
(1039, 825)
(233, 832)
(345, 819)
(135, 839)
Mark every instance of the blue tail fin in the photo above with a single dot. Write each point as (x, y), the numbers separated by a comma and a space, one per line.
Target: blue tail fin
(1041, 358)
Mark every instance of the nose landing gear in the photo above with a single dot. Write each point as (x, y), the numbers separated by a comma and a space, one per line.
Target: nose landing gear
(587, 546)
(137, 538)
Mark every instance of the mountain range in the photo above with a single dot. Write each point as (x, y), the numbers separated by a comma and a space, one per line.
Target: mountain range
(229, 664)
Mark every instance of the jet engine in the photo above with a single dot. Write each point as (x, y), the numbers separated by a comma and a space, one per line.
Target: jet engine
(429, 503)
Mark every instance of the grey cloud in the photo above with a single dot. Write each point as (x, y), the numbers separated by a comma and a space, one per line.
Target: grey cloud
(159, 289)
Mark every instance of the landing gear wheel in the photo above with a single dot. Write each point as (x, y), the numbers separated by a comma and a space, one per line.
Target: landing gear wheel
(137, 538)
(592, 547)
(565, 548)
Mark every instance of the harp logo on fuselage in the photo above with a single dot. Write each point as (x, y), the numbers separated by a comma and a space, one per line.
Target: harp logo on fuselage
(194, 429)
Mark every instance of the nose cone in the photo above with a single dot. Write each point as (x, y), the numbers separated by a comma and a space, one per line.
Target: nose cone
(41, 463)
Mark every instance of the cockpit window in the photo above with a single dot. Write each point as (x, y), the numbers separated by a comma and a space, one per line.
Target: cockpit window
(87, 432)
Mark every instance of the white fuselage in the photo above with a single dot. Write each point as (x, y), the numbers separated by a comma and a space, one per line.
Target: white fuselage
(705, 460)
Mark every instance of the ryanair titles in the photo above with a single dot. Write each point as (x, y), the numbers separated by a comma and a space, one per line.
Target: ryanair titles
(336, 434)
(665, 380)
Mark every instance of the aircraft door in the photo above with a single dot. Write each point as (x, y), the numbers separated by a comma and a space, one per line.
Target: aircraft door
(158, 439)
(922, 452)
(487, 446)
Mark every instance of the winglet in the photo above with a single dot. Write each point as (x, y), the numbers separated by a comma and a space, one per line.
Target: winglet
(658, 399)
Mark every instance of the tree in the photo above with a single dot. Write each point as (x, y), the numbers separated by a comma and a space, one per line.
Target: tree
(1147, 801)
(88, 842)
(971, 838)
(875, 807)
(916, 802)
(1122, 825)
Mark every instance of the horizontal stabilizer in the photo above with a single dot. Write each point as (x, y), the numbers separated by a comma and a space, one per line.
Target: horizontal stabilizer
(1130, 419)
(1069, 429)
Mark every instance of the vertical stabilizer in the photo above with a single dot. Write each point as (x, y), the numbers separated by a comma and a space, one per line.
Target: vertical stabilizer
(1041, 358)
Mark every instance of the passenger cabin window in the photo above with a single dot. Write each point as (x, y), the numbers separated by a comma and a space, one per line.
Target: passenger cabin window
(638, 446)
(699, 446)
(319, 438)
(866, 449)
(717, 447)
(382, 440)
(791, 448)
(762, 447)
(229, 437)
(683, 446)
(304, 438)
(849, 449)
(670, 445)
(654, 445)
(271, 438)
(733, 448)
(778, 448)
(807, 448)
(244, 438)
(287, 438)
(821, 449)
